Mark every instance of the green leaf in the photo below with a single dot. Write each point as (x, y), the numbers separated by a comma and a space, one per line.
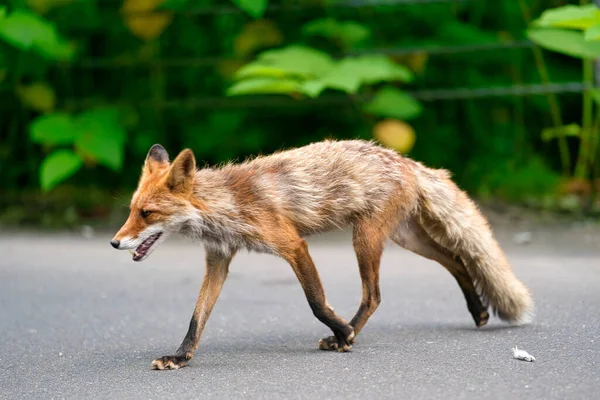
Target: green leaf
(570, 16)
(58, 166)
(254, 8)
(565, 41)
(105, 149)
(254, 70)
(103, 120)
(573, 130)
(352, 72)
(349, 32)
(264, 86)
(392, 102)
(379, 68)
(101, 137)
(2, 12)
(26, 30)
(297, 60)
(317, 69)
(313, 88)
(53, 129)
(592, 33)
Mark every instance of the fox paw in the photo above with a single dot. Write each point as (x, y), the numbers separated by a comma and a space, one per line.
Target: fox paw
(481, 319)
(170, 362)
(333, 343)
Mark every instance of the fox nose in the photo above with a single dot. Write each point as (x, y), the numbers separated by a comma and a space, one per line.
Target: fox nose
(115, 243)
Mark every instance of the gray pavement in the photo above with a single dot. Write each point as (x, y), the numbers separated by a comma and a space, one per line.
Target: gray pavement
(81, 320)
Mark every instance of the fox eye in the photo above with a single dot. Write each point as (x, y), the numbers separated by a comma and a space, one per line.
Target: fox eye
(145, 213)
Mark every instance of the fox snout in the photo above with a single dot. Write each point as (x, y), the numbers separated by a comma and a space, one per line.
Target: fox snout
(142, 244)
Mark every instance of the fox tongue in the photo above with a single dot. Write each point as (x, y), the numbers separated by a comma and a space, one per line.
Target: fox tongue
(142, 249)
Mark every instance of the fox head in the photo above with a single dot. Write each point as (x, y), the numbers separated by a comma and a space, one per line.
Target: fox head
(161, 204)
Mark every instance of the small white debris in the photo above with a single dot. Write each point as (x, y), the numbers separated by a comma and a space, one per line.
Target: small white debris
(522, 237)
(60, 354)
(522, 355)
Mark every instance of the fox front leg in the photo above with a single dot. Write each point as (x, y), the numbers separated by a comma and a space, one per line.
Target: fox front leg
(217, 268)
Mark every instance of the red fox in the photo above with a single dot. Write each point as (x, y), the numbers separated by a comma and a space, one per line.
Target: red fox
(270, 203)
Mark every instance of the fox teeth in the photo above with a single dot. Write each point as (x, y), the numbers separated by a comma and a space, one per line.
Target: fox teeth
(134, 253)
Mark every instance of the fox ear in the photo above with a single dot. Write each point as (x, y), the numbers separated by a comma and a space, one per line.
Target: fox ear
(157, 158)
(181, 174)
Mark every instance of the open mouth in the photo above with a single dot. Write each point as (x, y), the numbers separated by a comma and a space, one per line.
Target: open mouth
(144, 249)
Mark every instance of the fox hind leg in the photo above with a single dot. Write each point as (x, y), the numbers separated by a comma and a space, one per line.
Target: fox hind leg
(306, 272)
(368, 240)
(413, 237)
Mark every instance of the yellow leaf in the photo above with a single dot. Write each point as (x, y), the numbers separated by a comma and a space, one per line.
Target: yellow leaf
(228, 68)
(256, 35)
(398, 135)
(38, 96)
(417, 61)
(142, 21)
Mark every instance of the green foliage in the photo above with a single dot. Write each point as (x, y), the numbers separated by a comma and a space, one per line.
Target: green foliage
(301, 70)
(565, 41)
(573, 130)
(264, 86)
(53, 130)
(254, 8)
(58, 166)
(292, 61)
(172, 70)
(97, 136)
(571, 30)
(348, 33)
(351, 73)
(27, 31)
(101, 137)
(574, 31)
(570, 16)
(593, 33)
(458, 32)
(394, 103)
(520, 183)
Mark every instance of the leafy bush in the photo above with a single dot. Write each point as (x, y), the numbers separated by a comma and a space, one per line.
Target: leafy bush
(96, 137)
(575, 31)
(96, 83)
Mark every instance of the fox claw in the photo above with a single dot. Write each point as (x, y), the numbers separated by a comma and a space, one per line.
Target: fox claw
(482, 319)
(170, 362)
(332, 343)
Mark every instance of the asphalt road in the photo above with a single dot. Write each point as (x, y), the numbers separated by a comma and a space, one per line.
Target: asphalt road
(81, 320)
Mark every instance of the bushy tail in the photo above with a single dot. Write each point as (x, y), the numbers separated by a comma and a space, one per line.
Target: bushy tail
(452, 219)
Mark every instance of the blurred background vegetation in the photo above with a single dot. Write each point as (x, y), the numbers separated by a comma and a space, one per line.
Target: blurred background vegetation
(502, 93)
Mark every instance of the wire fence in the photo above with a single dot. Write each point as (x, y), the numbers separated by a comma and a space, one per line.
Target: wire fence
(215, 102)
